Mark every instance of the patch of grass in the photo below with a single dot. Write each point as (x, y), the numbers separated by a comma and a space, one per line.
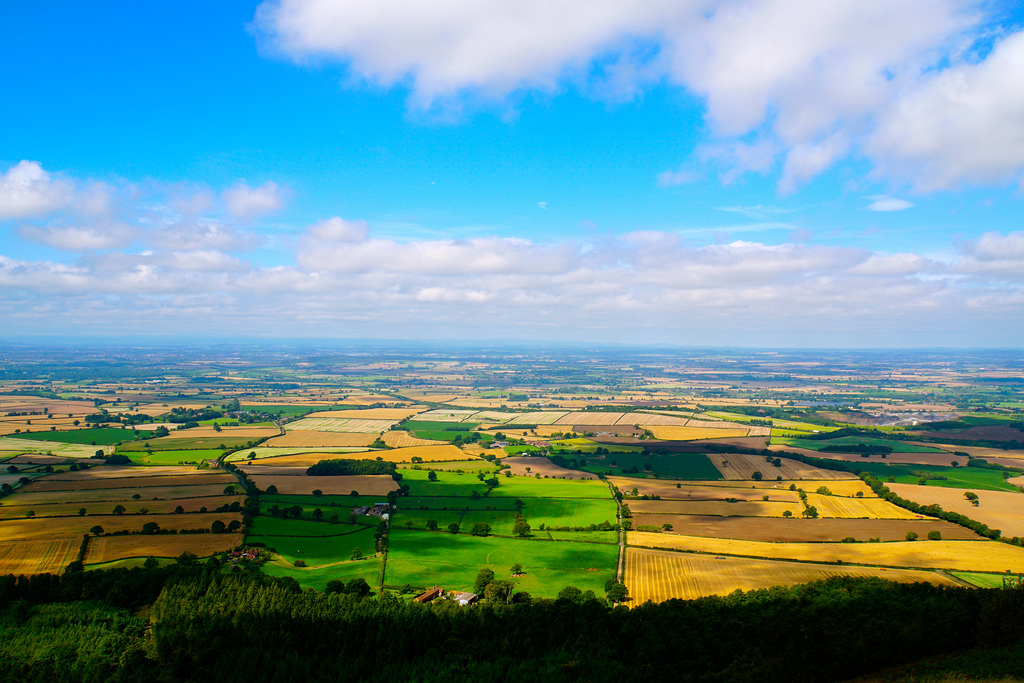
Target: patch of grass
(317, 551)
(568, 512)
(955, 477)
(447, 484)
(690, 466)
(454, 503)
(174, 457)
(531, 487)
(440, 431)
(265, 525)
(473, 466)
(317, 577)
(101, 436)
(982, 579)
(424, 559)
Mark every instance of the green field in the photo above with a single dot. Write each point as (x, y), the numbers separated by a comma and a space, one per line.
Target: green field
(531, 487)
(447, 484)
(576, 512)
(473, 466)
(317, 577)
(316, 543)
(956, 477)
(588, 446)
(455, 503)
(690, 466)
(425, 559)
(13, 445)
(439, 431)
(173, 457)
(101, 436)
(984, 580)
(181, 443)
(817, 445)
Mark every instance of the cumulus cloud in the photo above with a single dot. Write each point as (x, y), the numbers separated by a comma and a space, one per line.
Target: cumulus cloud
(338, 230)
(79, 238)
(249, 202)
(680, 177)
(886, 203)
(27, 190)
(808, 83)
(994, 254)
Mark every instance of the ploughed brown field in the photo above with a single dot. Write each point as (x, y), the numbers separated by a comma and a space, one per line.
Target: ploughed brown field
(532, 466)
(748, 508)
(689, 491)
(108, 472)
(940, 459)
(795, 530)
(741, 466)
(108, 548)
(301, 485)
(141, 483)
(25, 496)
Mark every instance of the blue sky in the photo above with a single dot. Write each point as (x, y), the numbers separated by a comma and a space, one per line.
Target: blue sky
(738, 172)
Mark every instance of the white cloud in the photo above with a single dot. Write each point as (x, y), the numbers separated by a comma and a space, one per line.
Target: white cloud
(810, 82)
(994, 254)
(679, 177)
(249, 202)
(338, 230)
(79, 238)
(886, 203)
(27, 190)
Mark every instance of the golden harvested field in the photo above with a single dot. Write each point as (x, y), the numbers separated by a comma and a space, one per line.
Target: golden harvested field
(798, 530)
(872, 508)
(653, 420)
(278, 470)
(27, 496)
(540, 417)
(531, 466)
(751, 508)
(657, 576)
(335, 424)
(38, 529)
(314, 439)
(303, 459)
(677, 433)
(139, 483)
(446, 415)
(69, 450)
(736, 466)
(38, 557)
(366, 485)
(981, 555)
(108, 548)
(1003, 510)
(942, 459)
(428, 453)
(587, 418)
(28, 404)
(155, 507)
(370, 413)
(400, 439)
(1016, 481)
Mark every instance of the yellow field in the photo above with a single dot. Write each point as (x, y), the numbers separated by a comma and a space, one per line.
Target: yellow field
(588, 418)
(39, 529)
(109, 472)
(677, 433)
(852, 508)
(400, 439)
(651, 420)
(337, 424)
(691, 492)
(37, 557)
(26, 496)
(7, 510)
(1003, 510)
(314, 439)
(370, 413)
(657, 575)
(751, 508)
(300, 485)
(740, 466)
(108, 548)
(428, 453)
(981, 555)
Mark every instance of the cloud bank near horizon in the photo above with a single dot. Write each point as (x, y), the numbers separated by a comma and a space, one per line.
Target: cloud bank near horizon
(135, 261)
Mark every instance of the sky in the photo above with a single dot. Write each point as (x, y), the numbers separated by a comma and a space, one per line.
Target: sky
(760, 173)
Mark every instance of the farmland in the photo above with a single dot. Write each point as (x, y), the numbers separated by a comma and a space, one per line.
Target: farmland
(998, 509)
(656, 575)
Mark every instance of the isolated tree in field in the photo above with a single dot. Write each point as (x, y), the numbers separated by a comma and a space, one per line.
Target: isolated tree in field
(150, 528)
(757, 476)
(432, 475)
(318, 514)
(481, 529)
(811, 512)
(432, 524)
(453, 528)
(96, 530)
(6, 488)
(616, 592)
(251, 456)
(521, 527)
(229, 490)
(357, 554)
(218, 526)
(119, 509)
(136, 496)
(911, 536)
(234, 526)
(317, 492)
(99, 453)
(787, 513)
(179, 510)
(483, 578)
(934, 535)
(81, 512)
(516, 569)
